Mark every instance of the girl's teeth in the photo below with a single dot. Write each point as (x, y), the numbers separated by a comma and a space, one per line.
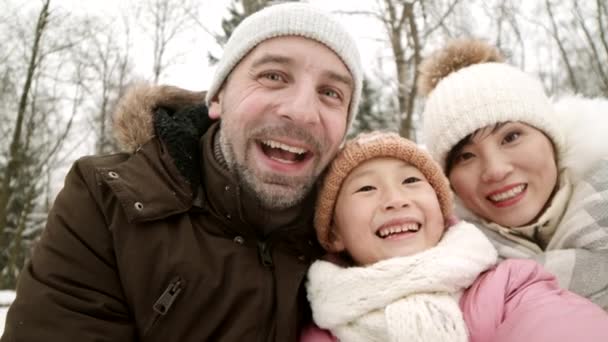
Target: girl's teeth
(507, 194)
(411, 227)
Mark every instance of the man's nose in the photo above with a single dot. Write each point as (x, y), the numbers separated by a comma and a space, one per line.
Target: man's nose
(496, 167)
(302, 106)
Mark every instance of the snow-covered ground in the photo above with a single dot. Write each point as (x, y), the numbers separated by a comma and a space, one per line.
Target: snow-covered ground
(6, 298)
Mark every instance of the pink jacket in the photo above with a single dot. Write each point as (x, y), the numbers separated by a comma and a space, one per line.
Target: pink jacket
(519, 301)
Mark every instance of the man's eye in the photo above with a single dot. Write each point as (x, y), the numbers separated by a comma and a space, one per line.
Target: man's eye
(273, 76)
(331, 93)
(365, 188)
(512, 136)
(410, 180)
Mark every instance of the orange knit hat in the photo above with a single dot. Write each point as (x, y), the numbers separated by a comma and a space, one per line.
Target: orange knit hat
(368, 146)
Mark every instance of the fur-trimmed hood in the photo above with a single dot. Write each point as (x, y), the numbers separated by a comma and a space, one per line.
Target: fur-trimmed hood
(133, 120)
(176, 116)
(584, 122)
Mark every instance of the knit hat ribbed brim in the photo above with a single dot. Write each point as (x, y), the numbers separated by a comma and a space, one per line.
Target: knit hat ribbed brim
(364, 147)
(290, 19)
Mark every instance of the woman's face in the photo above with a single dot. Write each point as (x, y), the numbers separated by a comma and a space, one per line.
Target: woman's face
(505, 174)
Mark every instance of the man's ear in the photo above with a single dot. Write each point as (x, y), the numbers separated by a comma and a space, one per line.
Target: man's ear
(335, 239)
(215, 108)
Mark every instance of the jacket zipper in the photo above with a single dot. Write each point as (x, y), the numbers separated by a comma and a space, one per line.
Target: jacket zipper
(265, 256)
(165, 301)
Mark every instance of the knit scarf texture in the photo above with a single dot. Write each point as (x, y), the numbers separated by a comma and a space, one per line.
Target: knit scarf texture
(412, 298)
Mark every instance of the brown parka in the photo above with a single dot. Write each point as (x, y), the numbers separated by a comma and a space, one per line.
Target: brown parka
(160, 244)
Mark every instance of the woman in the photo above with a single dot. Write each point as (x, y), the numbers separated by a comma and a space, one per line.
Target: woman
(515, 162)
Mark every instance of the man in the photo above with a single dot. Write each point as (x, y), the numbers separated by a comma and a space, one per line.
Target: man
(201, 234)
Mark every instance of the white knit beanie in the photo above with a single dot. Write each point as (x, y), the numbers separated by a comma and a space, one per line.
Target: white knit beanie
(290, 19)
(480, 94)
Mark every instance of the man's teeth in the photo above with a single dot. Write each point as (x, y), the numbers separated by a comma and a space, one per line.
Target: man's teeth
(276, 144)
(408, 227)
(508, 194)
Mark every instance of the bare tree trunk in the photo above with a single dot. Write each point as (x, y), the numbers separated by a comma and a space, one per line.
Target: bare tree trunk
(15, 152)
(592, 45)
(394, 25)
(562, 49)
(407, 129)
(600, 23)
(16, 249)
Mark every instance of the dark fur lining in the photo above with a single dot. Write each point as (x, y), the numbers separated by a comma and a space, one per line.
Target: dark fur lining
(181, 132)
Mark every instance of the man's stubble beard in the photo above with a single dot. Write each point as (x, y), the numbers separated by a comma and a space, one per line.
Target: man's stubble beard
(268, 189)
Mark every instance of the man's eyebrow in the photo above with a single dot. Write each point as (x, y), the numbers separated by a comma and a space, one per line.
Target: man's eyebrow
(340, 78)
(270, 58)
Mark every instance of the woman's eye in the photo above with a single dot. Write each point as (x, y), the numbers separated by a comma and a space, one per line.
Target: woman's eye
(365, 188)
(512, 136)
(462, 157)
(410, 180)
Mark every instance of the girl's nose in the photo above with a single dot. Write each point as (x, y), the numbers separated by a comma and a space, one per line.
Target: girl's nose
(395, 200)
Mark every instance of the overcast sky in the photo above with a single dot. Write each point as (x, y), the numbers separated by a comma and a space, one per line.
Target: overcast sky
(192, 70)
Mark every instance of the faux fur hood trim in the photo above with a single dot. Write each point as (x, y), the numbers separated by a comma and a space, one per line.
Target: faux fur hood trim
(585, 123)
(133, 120)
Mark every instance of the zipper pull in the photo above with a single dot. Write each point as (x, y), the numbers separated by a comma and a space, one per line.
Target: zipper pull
(265, 254)
(164, 302)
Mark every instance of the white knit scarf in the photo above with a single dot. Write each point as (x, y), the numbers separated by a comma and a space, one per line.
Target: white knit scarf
(413, 298)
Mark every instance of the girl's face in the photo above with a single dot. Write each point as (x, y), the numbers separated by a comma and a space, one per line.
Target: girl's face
(386, 208)
(505, 174)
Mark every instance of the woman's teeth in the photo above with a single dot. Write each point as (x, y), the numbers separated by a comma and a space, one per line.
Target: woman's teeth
(508, 194)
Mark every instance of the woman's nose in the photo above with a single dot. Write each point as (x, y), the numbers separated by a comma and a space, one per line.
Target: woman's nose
(496, 168)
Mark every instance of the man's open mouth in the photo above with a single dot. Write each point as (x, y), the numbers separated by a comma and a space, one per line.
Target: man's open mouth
(284, 153)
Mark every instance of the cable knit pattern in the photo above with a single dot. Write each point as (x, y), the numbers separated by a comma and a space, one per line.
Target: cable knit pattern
(413, 298)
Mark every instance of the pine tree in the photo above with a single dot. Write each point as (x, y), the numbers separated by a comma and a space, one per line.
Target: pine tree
(374, 113)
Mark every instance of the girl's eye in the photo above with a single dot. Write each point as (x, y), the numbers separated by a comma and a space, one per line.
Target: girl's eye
(411, 180)
(365, 188)
(512, 136)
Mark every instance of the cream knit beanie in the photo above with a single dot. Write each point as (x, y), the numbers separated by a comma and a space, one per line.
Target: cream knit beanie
(290, 19)
(364, 147)
(471, 88)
